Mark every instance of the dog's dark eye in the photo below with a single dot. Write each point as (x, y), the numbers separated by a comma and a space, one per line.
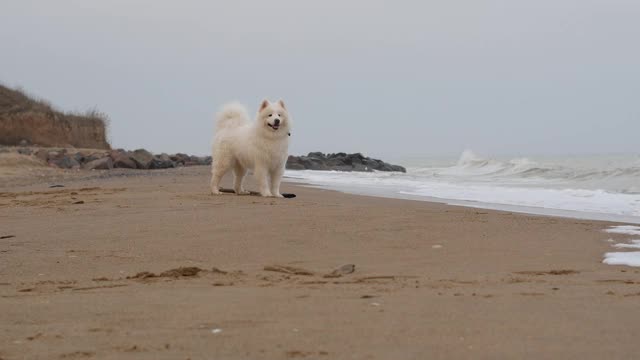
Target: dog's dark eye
(270, 115)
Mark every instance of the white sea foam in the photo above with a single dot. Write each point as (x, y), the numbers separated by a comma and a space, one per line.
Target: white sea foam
(631, 258)
(606, 188)
(624, 229)
(622, 258)
(593, 201)
(635, 244)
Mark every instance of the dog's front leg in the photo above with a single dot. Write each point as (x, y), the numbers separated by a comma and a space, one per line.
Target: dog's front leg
(276, 177)
(262, 178)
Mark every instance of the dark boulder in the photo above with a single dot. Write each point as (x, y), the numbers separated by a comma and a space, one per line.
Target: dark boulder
(122, 160)
(162, 161)
(180, 159)
(64, 161)
(25, 151)
(104, 163)
(142, 158)
(80, 157)
(293, 163)
(87, 158)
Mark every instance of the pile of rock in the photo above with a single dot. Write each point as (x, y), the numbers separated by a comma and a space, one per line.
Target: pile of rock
(105, 160)
(340, 162)
(143, 159)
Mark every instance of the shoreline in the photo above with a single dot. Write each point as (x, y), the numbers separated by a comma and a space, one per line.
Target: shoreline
(385, 192)
(526, 210)
(142, 160)
(152, 266)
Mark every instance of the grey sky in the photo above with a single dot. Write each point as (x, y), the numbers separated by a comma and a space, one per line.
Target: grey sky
(387, 78)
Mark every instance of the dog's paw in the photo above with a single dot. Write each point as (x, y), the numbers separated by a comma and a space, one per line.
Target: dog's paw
(278, 195)
(266, 194)
(242, 192)
(215, 192)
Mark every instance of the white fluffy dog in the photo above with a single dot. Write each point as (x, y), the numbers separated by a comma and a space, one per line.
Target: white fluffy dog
(261, 146)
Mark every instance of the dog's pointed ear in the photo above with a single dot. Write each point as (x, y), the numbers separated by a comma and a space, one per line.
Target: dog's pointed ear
(264, 104)
(282, 104)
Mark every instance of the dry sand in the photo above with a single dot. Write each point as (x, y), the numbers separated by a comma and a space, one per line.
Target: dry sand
(92, 270)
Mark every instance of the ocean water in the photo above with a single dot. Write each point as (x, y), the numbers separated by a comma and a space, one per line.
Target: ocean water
(601, 187)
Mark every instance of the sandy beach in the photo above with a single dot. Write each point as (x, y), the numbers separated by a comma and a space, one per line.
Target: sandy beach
(148, 265)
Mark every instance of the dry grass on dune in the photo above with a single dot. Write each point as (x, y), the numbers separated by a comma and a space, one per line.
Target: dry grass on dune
(23, 117)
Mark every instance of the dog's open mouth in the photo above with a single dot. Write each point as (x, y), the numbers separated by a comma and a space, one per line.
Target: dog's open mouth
(274, 127)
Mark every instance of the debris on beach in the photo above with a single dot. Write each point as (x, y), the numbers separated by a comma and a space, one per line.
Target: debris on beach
(182, 271)
(549, 272)
(142, 275)
(215, 270)
(342, 270)
(188, 271)
(288, 270)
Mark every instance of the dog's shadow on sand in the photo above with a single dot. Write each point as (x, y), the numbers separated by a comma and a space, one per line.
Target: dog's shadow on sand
(255, 193)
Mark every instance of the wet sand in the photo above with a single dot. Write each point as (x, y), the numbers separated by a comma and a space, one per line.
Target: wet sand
(148, 265)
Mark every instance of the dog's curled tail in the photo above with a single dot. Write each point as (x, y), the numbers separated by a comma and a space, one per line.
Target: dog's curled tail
(232, 115)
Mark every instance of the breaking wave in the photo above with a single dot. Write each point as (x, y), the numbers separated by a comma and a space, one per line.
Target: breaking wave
(605, 173)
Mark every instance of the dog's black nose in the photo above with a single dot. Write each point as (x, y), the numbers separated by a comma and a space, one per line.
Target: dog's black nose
(276, 122)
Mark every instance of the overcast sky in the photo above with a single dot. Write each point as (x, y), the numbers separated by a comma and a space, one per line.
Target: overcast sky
(386, 78)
